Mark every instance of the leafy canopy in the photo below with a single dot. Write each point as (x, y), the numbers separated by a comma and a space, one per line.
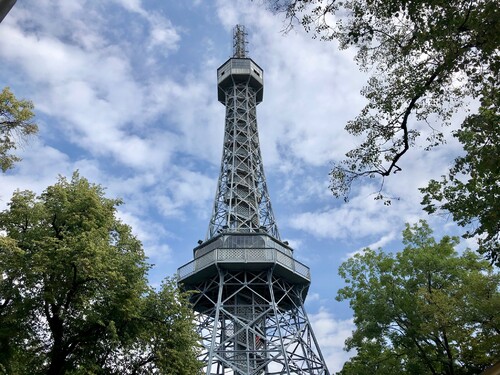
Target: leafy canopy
(16, 125)
(428, 59)
(74, 297)
(425, 310)
(474, 202)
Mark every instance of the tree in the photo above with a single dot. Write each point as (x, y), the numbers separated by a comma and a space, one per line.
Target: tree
(429, 58)
(74, 293)
(16, 126)
(474, 202)
(425, 310)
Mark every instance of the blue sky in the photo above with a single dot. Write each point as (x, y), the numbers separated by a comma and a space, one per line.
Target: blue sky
(125, 92)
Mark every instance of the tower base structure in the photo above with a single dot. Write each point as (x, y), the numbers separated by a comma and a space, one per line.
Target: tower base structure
(249, 305)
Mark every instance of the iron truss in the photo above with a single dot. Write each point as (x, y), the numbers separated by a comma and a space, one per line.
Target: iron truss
(242, 201)
(253, 322)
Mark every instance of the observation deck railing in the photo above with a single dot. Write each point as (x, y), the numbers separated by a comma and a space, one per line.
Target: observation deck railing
(239, 256)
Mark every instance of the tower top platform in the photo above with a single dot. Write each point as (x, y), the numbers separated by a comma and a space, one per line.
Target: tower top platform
(240, 70)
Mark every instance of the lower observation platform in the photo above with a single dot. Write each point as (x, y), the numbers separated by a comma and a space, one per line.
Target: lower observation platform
(243, 251)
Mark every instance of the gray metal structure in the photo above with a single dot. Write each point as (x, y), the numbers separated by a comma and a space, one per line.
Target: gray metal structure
(250, 291)
(5, 7)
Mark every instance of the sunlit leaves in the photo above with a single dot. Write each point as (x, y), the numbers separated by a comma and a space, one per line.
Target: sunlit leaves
(425, 310)
(74, 297)
(16, 126)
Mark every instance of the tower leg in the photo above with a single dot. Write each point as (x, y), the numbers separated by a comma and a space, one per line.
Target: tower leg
(255, 323)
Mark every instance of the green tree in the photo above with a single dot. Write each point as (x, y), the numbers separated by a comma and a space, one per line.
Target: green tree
(474, 202)
(74, 293)
(428, 59)
(425, 310)
(16, 125)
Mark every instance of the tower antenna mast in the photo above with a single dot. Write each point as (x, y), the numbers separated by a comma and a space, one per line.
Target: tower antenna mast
(240, 42)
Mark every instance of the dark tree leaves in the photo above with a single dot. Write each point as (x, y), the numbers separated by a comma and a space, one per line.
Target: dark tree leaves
(471, 190)
(428, 59)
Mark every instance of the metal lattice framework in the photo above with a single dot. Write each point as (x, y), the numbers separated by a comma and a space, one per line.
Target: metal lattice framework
(249, 290)
(255, 323)
(242, 201)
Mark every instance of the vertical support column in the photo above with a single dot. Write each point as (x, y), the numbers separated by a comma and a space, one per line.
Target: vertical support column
(215, 324)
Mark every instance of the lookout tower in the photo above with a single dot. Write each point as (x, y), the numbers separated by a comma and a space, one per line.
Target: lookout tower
(250, 291)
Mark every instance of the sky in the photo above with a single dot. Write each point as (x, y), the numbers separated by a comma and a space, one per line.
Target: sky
(125, 93)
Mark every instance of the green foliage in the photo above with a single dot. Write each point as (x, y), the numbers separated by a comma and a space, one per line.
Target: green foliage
(15, 126)
(474, 202)
(428, 59)
(425, 310)
(74, 293)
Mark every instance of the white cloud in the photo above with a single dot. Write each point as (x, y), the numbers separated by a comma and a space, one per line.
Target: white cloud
(331, 334)
(163, 35)
(384, 240)
(132, 6)
(94, 92)
(185, 188)
(362, 217)
(34, 172)
(149, 233)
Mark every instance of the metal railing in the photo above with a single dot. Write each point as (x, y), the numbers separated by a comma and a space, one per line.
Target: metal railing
(239, 255)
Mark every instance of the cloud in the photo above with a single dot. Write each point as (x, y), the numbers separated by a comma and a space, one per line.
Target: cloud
(162, 35)
(91, 87)
(149, 233)
(132, 6)
(185, 188)
(331, 334)
(362, 217)
(380, 243)
(34, 172)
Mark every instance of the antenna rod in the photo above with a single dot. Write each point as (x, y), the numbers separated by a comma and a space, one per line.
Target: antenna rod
(239, 42)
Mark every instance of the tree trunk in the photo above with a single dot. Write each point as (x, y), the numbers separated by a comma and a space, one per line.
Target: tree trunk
(58, 352)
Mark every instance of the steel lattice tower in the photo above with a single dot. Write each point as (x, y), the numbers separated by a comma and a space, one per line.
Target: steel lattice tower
(250, 291)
